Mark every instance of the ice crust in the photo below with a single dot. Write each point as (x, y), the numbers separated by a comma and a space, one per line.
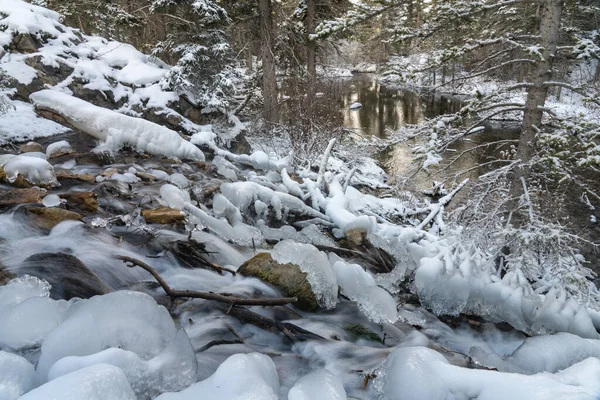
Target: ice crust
(16, 376)
(317, 385)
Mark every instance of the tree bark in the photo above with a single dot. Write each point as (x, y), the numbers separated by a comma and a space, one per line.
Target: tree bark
(269, 83)
(311, 52)
(537, 94)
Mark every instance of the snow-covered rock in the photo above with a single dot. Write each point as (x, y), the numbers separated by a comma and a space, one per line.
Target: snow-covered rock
(240, 377)
(58, 148)
(355, 106)
(34, 169)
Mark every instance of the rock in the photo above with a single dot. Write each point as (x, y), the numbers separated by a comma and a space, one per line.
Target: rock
(356, 236)
(68, 175)
(31, 147)
(109, 172)
(48, 218)
(19, 182)
(25, 43)
(162, 215)
(5, 276)
(146, 177)
(85, 202)
(68, 276)
(287, 277)
(21, 196)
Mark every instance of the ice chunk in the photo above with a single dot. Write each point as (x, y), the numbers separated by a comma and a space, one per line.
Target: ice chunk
(240, 377)
(16, 376)
(127, 320)
(175, 197)
(172, 370)
(51, 200)
(416, 373)
(359, 286)
(98, 382)
(62, 147)
(179, 180)
(20, 289)
(315, 264)
(317, 385)
(35, 170)
(117, 130)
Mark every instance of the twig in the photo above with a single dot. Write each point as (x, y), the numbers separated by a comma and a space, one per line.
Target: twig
(174, 293)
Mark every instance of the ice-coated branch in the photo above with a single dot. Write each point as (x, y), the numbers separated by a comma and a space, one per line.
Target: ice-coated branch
(436, 208)
(527, 199)
(349, 178)
(174, 293)
(323, 166)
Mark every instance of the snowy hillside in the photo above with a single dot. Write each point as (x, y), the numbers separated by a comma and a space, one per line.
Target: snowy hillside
(140, 259)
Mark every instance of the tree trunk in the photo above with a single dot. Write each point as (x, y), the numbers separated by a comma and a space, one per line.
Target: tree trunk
(537, 94)
(311, 52)
(269, 83)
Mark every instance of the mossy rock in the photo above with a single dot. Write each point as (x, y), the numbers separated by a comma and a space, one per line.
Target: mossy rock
(286, 277)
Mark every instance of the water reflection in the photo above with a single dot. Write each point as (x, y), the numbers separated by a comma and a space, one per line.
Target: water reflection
(385, 109)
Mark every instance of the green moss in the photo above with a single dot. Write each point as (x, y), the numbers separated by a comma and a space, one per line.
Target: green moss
(359, 331)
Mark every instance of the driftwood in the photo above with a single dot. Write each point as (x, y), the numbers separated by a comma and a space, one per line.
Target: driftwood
(192, 255)
(193, 294)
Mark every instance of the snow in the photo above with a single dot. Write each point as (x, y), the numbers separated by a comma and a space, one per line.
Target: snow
(421, 373)
(355, 106)
(97, 382)
(117, 130)
(20, 123)
(314, 263)
(58, 147)
(17, 376)
(317, 385)
(35, 170)
(240, 377)
(16, 68)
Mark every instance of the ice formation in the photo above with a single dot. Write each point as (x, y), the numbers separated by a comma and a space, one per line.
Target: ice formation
(97, 382)
(27, 312)
(131, 321)
(314, 263)
(34, 169)
(16, 376)
(417, 373)
(317, 385)
(51, 200)
(359, 286)
(240, 377)
(454, 283)
(117, 130)
(58, 147)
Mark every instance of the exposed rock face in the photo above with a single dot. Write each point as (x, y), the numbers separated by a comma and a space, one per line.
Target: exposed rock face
(162, 216)
(83, 202)
(48, 218)
(21, 196)
(287, 277)
(68, 276)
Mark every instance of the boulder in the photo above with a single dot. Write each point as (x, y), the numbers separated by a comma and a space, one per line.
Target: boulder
(21, 196)
(31, 147)
(68, 276)
(286, 277)
(48, 218)
(356, 236)
(162, 215)
(83, 202)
